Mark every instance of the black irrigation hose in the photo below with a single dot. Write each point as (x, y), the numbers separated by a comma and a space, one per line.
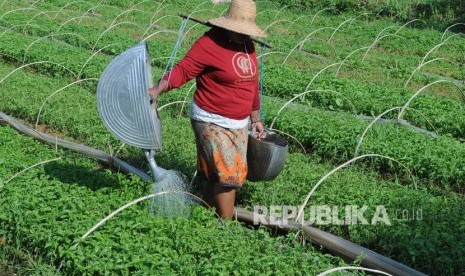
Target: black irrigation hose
(100, 155)
(334, 244)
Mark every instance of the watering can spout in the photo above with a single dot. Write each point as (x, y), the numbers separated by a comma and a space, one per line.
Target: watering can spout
(157, 172)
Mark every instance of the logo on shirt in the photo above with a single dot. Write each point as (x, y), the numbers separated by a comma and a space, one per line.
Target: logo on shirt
(243, 65)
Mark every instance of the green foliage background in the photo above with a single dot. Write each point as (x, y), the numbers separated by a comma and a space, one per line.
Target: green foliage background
(437, 13)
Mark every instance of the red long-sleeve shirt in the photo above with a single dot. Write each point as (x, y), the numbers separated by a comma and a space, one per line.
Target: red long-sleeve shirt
(226, 75)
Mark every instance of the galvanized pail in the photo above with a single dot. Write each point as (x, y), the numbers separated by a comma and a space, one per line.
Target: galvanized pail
(266, 157)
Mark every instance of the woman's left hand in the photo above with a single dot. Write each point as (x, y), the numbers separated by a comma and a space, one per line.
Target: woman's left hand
(258, 127)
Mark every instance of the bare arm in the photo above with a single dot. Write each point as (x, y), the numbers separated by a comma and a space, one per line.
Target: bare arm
(255, 116)
(256, 123)
(188, 68)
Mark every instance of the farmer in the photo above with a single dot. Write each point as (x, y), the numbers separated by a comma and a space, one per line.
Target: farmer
(226, 103)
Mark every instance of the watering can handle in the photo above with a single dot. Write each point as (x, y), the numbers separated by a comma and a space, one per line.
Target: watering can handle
(152, 99)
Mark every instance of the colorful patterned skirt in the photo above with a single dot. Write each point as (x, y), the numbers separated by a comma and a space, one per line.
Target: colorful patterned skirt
(221, 153)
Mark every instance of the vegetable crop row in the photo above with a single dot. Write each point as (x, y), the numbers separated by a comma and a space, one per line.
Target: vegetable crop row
(51, 58)
(300, 174)
(347, 31)
(46, 210)
(416, 239)
(444, 115)
(103, 39)
(329, 134)
(436, 114)
(433, 245)
(438, 14)
(335, 136)
(78, 117)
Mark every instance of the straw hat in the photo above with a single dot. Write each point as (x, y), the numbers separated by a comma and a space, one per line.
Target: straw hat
(240, 19)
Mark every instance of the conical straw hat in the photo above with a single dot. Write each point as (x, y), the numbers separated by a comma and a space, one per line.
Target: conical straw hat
(240, 19)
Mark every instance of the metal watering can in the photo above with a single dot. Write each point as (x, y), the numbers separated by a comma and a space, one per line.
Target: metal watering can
(124, 103)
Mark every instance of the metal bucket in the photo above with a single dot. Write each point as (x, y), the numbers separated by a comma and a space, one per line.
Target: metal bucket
(266, 157)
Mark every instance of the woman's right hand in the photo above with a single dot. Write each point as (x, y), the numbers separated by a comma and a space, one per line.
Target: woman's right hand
(153, 94)
(155, 91)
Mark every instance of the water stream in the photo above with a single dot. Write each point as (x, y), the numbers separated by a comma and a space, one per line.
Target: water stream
(171, 204)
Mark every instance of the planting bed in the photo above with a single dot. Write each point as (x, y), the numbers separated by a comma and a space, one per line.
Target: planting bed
(327, 71)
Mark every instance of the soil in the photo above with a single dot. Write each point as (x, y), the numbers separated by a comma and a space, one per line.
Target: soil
(4, 270)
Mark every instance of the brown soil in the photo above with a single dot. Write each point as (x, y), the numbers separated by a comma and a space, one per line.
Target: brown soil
(46, 129)
(4, 270)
